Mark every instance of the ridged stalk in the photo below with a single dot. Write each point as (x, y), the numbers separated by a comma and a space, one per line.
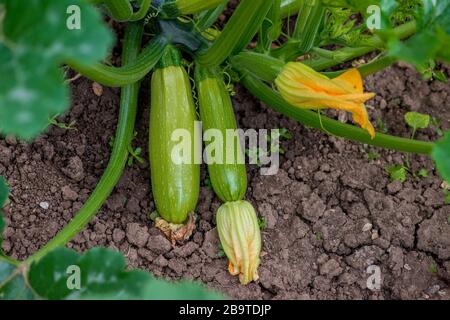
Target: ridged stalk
(271, 27)
(208, 18)
(120, 10)
(290, 7)
(239, 31)
(308, 23)
(346, 54)
(127, 74)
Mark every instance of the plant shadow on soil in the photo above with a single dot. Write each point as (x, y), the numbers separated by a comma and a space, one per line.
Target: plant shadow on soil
(330, 211)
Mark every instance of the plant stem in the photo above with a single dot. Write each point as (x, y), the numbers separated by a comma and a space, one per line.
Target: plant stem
(368, 68)
(9, 260)
(239, 31)
(194, 6)
(120, 10)
(142, 12)
(119, 156)
(345, 54)
(208, 18)
(127, 74)
(290, 7)
(309, 21)
(271, 27)
(315, 120)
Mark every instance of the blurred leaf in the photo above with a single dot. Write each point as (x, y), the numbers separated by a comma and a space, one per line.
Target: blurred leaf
(34, 40)
(432, 37)
(102, 275)
(423, 173)
(417, 120)
(441, 155)
(440, 76)
(12, 284)
(447, 201)
(397, 173)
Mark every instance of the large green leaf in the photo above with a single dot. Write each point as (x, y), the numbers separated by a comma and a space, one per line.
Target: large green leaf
(35, 38)
(432, 38)
(441, 155)
(12, 283)
(102, 275)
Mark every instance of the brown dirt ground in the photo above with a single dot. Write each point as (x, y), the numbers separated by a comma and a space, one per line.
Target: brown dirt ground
(330, 211)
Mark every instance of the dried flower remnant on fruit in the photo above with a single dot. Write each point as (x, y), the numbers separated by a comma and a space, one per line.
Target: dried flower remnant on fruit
(306, 88)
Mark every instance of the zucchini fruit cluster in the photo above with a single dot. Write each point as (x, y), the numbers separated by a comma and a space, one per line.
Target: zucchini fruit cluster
(176, 177)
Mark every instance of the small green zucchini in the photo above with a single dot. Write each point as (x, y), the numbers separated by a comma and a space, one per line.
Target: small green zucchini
(229, 180)
(175, 184)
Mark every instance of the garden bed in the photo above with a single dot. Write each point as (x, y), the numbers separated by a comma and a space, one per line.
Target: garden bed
(330, 212)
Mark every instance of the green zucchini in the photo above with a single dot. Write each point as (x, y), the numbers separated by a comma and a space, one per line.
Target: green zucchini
(175, 185)
(229, 180)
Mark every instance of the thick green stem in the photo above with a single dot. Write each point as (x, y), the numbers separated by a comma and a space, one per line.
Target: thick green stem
(290, 7)
(127, 74)
(142, 12)
(268, 68)
(308, 23)
(239, 31)
(368, 68)
(119, 156)
(261, 65)
(120, 10)
(208, 18)
(9, 260)
(373, 44)
(195, 6)
(271, 27)
(330, 126)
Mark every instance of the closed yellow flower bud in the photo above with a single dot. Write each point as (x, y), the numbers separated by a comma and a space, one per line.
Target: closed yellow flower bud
(240, 236)
(306, 88)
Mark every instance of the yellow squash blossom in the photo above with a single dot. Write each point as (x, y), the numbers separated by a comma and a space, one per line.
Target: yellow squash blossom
(305, 88)
(240, 236)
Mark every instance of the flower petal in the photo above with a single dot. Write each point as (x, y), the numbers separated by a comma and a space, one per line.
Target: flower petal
(305, 88)
(352, 78)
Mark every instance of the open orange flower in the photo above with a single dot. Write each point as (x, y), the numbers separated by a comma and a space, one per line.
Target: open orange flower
(306, 88)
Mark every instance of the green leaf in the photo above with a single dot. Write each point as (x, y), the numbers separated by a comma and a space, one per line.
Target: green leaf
(441, 155)
(397, 173)
(52, 269)
(12, 284)
(101, 274)
(432, 37)
(447, 201)
(423, 173)
(417, 120)
(440, 76)
(35, 39)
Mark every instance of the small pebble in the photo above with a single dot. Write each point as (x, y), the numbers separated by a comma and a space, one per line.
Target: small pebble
(367, 227)
(44, 205)
(375, 235)
(407, 267)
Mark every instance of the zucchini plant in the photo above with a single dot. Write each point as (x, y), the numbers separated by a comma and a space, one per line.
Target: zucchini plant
(290, 67)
